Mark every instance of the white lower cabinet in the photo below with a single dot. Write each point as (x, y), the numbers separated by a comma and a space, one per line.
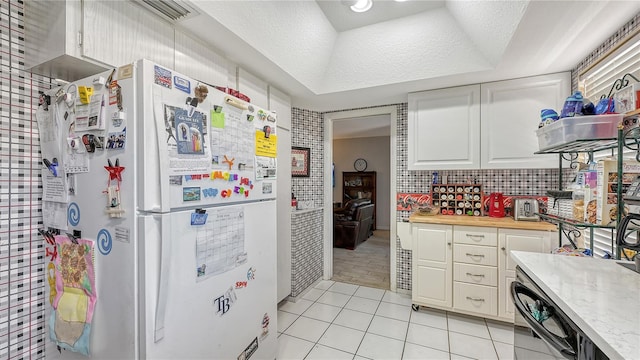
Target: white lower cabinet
(519, 240)
(432, 268)
(450, 273)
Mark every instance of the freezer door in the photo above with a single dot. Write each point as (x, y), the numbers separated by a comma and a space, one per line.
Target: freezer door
(210, 289)
(200, 146)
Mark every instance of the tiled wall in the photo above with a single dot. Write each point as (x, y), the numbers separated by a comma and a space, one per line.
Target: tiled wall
(306, 228)
(306, 250)
(22, 321)
(308, 131)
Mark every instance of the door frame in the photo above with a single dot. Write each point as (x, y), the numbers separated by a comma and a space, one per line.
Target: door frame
(392, 111)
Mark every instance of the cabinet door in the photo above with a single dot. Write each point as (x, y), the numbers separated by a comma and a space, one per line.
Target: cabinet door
(519, 240)
(510, 113)
(444, 129)
(432, 265)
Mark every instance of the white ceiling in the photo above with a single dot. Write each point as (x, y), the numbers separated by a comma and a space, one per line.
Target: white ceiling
(312, 51)
(342, 18)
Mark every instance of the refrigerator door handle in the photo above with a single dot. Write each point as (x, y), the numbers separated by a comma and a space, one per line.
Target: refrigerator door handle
(163, 171)
(163, 289)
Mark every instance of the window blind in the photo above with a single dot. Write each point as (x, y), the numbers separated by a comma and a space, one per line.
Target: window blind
(594, 83)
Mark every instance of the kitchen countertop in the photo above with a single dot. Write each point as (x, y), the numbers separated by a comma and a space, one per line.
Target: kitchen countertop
(505, 222)
(598, 295)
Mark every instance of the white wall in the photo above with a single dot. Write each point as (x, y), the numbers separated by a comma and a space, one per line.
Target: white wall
(376, 151)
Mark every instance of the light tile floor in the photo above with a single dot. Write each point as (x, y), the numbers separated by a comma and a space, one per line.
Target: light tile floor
(343, 321)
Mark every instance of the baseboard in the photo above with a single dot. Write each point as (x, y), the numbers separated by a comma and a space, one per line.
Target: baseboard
(303, 292)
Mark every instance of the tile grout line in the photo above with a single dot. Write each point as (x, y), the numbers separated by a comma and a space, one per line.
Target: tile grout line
(366, 331)
(374, 314)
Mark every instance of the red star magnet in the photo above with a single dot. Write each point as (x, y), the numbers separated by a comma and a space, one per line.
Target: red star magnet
(115, 172)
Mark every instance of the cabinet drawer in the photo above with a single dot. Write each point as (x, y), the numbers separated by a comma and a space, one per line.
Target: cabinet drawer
(477, 298)
(475, 274)
(473, 254)
(474, 235)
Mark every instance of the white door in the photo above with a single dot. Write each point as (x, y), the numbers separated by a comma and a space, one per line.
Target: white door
(510, 112)
(444, 129)
(519, 240)
(221, 309)
(432, 265)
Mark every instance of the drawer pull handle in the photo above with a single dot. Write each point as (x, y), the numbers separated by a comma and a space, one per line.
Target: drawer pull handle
(474, 235)
(475, 255)
(475, 299)
(470, 274)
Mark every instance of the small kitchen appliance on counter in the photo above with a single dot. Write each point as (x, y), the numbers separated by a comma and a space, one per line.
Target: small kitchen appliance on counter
(496, 205)
(526, 209)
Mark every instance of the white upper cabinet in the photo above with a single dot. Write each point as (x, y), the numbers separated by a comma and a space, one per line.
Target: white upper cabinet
(510, 113)
(486, 126)
(444, 129)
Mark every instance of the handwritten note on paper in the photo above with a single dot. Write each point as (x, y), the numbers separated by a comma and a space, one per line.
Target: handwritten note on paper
(220, 243)
(266, 146)
(236, 139)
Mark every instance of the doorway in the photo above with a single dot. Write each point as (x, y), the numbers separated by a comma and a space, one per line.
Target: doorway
(383, 240)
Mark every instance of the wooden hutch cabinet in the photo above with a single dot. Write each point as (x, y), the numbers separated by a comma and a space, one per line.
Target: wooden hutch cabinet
(357, 185)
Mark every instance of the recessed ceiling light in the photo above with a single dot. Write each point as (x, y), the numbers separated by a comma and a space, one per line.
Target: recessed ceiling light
(362, 5)
(401, 0)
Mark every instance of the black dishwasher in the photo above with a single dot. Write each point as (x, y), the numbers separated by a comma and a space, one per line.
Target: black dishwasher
(542, 330)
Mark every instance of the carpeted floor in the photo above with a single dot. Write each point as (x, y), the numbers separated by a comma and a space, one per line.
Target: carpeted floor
(367, 265)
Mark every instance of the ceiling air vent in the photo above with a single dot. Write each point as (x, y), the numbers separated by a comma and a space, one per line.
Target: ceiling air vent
(169, 9)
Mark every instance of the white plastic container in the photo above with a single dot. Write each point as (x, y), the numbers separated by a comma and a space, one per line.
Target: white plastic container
(575, 128)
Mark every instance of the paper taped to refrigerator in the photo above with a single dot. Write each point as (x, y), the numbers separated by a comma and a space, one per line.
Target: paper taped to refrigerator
(220, 242)
(185, 135)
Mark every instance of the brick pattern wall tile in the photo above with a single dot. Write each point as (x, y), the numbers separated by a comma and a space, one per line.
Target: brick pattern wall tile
(22, 262)
(306, 250)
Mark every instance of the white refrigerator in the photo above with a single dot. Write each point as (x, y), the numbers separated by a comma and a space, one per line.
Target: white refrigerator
(175, 181)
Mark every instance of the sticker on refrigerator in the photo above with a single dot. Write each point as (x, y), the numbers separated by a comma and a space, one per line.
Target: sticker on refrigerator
(175, 180)
(125, 72)
(73, 214)
(104, 241)
(123, 234)
(250, 350)
(162, 76)
(220, 242)
(191, 193)
(182, 84)
(251, 274)
(224, 302)
(265, 326)
(267, 188)
(246, 354)
(117, 140)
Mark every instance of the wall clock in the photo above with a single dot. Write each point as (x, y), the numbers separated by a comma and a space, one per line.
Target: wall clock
(360, 165)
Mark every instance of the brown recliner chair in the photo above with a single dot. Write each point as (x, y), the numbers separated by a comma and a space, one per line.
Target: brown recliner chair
(352, 224)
